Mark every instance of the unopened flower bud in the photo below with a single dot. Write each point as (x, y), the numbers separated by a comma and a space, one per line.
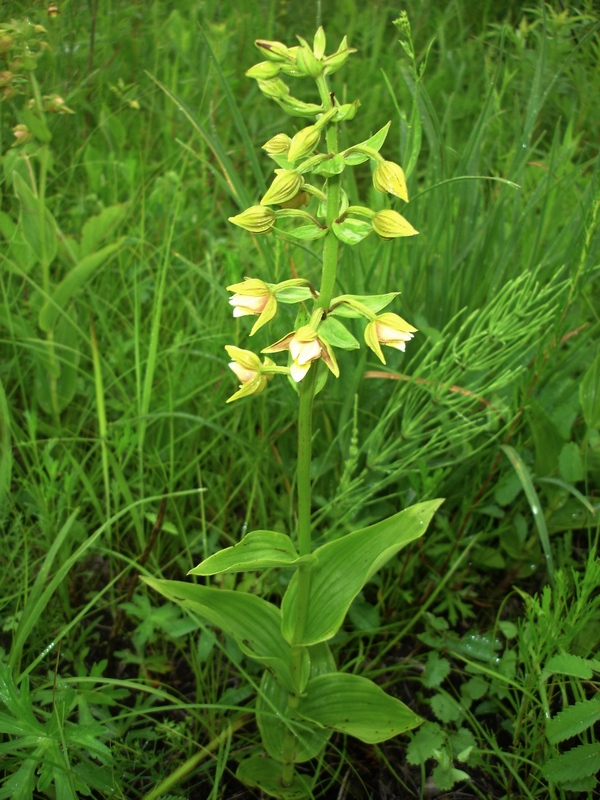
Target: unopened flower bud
(307, 63)
(256, 219)
(287, 184)
(274, 87)
(347, 111)
(389, 225)
(264, 71)
(389, 177)
(333, 62)
(278, 145)
(388, 329)
(319, 43)
(304, 142)
(274, 51)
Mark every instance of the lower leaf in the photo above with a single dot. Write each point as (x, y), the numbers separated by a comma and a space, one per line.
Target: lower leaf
(357, 706)
(266, 774)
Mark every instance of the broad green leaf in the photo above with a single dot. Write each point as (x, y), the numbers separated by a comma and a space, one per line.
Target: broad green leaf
(72, 281)
(352, 231)
(374, 302)
(17, 246)
(37, 223)
(375, 142)
(548, 441)
(568, 664)
(357, 706)
(254, 623)
(589, 393)
(37, 125)
(570, 463)
(97, 227)
(573, 719)
(304, 233)
(265, 774)
(257, 550)
(337, 335)
(345, 565)
(58, 361)
(271, 706)
(579, 762)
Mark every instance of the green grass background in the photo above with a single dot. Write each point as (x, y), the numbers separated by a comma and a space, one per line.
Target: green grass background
(502, 283)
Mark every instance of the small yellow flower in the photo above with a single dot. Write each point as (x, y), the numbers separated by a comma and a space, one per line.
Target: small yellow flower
(388, 329)
(249, 370)
(22, 134)
(389, 177)
(389, 225)
(305, 346)
(253, 297)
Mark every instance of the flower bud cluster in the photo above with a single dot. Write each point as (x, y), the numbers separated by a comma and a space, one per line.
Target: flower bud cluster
(296, 157)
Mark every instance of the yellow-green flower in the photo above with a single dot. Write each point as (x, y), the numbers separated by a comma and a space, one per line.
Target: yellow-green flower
(389, 225)
(249, 370)
(388, 329)
(253, 297)
(389, 177)
(305, 346)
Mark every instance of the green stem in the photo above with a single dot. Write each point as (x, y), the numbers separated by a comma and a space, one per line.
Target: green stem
(307, 395)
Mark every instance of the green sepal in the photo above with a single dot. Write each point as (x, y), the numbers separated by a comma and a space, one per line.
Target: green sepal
(304, 233)
(375, 142)
(257, 550)
(355, 705)
(344, 566)
(352, 231)
(272, 704)
(254, 623)
(294, 294)
(373, 302)
(337, 335)
(332, 166)
(266, 774)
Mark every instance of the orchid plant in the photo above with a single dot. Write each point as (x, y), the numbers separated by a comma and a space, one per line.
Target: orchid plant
(304, 696)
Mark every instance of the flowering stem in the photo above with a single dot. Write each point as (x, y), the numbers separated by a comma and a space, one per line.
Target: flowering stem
(331, 244)
(307, 395)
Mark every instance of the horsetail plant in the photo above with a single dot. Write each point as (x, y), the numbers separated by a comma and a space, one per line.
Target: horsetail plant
(303, 696)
